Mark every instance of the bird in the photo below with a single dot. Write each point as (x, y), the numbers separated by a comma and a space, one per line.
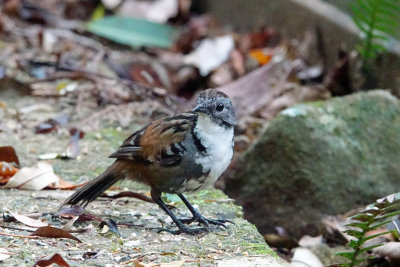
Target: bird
(177, 154)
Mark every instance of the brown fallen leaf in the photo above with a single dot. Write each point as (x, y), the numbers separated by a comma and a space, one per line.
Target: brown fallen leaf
(266, 91)
(52, 124)
(28, 221)
(4, 254)
(33, 178)
(7, 154)
(64, 185)
(71, 212)
(55, 259)
(49, 231)
(279, 241)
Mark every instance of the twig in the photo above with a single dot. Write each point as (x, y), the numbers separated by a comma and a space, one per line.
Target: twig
(22, 236)
(139, 89)
(135, 225)
(130, 194)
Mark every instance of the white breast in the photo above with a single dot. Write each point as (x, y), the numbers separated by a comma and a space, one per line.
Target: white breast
(218, 142)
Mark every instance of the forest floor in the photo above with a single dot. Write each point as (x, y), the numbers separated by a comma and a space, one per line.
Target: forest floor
(138, 221)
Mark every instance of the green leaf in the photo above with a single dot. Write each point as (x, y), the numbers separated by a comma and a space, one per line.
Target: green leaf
(393, 205)
(347, 255)
(98, 13)
(375, 19)
(376, 225)
(365, 239)
(354, 244)
(388, 215)
(355, 233)
(362, 217)
(133, 32)
(370, 247)
(361, 225)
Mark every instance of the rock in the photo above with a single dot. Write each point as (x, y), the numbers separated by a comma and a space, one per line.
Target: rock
(318, 159)
(304, 257)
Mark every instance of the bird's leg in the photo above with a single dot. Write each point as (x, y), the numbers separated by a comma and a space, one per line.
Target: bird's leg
(156, 196)
(200, 218)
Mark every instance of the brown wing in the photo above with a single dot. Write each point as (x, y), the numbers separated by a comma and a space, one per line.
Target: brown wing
(160, 140)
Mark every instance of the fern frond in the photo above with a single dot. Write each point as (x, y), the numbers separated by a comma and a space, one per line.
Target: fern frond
(377, 20)
(375, 216)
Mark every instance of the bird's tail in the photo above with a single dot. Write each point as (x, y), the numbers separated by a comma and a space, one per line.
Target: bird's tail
(97, 186)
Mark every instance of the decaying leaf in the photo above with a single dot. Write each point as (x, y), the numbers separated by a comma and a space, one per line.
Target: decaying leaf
(71, 212)
(67, 227)
(73, 146)
(4, 254)
(49, 231)
(210, 54)
(33, 178)
(279, 241)
(261, 56)
(89, 254)
(7, 170)
(52, 124)
(109, 225)
(64, 185)
(7, 154)
(28, 221)
(157, 11)
(266, 91)
(55, 259)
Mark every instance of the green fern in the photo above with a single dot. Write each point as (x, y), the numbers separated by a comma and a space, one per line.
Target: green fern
(376, 19)
(375, 216)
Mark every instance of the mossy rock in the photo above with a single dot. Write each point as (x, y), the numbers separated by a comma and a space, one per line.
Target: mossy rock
(318, 159)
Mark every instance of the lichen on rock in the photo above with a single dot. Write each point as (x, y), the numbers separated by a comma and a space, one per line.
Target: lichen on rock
(320, 158)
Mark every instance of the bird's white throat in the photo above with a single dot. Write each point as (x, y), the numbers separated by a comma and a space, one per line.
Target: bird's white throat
(218, 141)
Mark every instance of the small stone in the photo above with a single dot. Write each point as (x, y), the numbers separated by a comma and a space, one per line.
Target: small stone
(124, 258)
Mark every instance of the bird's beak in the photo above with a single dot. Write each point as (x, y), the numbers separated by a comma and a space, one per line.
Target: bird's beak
(232, 121)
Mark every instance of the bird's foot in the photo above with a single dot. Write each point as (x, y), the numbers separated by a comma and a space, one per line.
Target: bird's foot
(206, 222)
(185, 230)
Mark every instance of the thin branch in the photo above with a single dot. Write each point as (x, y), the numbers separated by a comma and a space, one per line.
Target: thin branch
(21, 236)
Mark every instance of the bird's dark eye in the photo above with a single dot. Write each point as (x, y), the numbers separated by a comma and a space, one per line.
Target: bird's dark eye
(220, 107)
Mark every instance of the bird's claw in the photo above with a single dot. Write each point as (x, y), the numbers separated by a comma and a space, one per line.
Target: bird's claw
(206, 222)
(185, 230)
